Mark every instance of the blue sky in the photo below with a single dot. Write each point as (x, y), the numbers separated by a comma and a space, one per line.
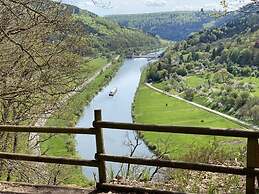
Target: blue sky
(146, 6)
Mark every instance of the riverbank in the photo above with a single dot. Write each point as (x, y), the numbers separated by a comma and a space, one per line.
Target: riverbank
(117, 109)
(65, 145)
(235, 120)
(153, 107)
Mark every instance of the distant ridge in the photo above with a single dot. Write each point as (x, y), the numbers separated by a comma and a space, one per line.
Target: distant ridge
(102, 36)
(177, 25)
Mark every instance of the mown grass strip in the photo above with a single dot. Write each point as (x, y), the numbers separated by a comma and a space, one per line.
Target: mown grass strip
(154, 108)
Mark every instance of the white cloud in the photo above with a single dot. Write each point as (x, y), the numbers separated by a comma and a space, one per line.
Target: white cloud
(155, 3)
(146, 6)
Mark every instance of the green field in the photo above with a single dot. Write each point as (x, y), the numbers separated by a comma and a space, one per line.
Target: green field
(89, 67)
(194, 81)
(150, 107)
(64, 145)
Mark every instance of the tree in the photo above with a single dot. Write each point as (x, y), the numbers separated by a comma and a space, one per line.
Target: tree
(234, 55)
(181, 71)
(256, 59)
(38, 62)
(189, 94)
(245, 57)
(246, 71)
(225, 4)
(222, 76)
(255, 113)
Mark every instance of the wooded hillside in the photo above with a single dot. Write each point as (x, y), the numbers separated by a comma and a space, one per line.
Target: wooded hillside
(102, 35)
(175, 26)
(217, 67)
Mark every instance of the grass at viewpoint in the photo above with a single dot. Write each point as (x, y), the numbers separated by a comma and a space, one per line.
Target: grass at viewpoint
(150, 107)
(64, 144)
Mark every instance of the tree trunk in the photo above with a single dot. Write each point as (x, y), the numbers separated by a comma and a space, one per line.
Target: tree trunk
(10, 167)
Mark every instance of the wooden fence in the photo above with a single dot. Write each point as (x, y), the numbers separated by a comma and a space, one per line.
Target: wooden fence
(250, 171)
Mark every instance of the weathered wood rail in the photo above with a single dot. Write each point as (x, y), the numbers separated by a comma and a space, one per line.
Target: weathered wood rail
(250, 171)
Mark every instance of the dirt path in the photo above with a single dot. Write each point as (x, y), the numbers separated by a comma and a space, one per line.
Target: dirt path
(34, 138)
(245, 124)
(9, 187)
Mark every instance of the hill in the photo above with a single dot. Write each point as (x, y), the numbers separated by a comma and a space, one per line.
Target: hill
(174, 26)
(217, 67)
(102, 35)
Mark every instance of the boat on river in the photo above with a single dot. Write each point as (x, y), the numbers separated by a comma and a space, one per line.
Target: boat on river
(113, 92)
(115, 108)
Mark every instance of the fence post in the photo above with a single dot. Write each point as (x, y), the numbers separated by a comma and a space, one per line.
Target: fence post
(100, 148)
(251, 164)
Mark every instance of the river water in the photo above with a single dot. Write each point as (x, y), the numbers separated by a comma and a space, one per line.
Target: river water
(117, 108)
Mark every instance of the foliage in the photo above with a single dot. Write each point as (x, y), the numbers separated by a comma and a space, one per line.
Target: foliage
(42, 47)
(64, 145)
(39, 62)
(175, 26)
(189, 94)
(150, 107)
(207, 182)
(105, 36)
(220, 57)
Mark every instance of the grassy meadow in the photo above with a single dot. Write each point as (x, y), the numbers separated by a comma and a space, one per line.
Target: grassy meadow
(89, 67)
(150, 107)
(194, 81)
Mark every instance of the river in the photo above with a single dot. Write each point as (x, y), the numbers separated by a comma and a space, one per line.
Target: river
(117, 108)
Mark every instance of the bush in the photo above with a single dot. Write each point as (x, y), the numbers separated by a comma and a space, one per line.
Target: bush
(181, 71)
(189, 94)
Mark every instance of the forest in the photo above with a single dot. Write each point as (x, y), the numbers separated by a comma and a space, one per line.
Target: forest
(104, 36)
(177, 25)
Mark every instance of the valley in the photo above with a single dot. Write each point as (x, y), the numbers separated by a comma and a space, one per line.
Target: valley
(174, 26)
(193, 69)
(216, 68)
(85, 49)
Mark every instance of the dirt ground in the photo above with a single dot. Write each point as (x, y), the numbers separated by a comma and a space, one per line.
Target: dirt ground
(7, 187)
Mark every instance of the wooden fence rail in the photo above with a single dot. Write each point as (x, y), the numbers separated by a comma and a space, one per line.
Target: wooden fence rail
(250, 171)
(181, 165)
(178, 129)
(69, 130)
(45, 159)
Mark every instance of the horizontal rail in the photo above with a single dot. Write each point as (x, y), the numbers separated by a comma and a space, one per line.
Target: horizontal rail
(178, 129)
(130, 189)
(180, 165)
(89, 131)
(44, 159)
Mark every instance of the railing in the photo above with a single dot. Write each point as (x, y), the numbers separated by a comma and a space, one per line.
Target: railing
(249, 171)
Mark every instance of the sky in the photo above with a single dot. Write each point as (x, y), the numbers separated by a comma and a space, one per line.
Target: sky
(111, 7)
